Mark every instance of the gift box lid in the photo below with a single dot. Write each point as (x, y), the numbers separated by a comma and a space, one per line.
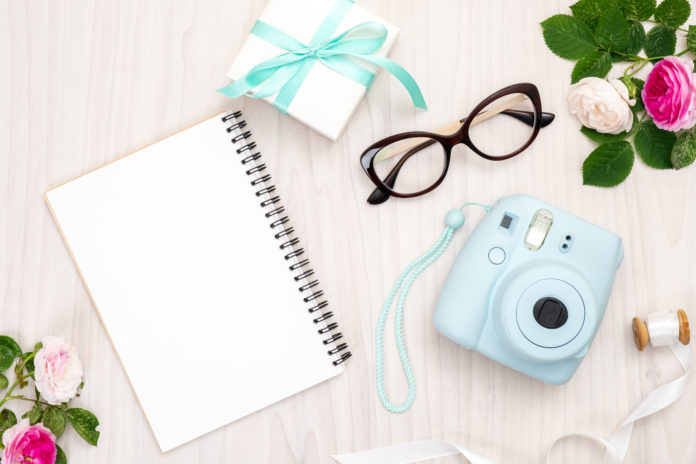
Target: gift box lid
(326, 99)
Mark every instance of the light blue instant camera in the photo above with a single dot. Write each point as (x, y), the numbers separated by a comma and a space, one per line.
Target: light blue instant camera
(529, 288)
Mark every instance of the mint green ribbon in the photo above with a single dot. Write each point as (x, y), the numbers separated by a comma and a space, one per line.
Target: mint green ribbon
(285, 73)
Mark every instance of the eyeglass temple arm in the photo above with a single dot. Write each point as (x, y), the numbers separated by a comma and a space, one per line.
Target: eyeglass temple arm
(527, 117)
(378, 196)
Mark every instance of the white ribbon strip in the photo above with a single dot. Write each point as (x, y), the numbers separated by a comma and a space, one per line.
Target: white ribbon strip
(655, 401)
(410, 452)
(615, 448)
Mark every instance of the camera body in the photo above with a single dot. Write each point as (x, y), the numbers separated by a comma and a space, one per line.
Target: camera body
(530, 287)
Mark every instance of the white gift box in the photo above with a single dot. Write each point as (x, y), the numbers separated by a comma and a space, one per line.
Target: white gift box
(327, 99)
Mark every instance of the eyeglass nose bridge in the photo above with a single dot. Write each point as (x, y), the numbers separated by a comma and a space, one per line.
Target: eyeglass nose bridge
(449, 141)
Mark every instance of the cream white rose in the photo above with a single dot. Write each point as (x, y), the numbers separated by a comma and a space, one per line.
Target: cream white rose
(57, 370)
(601, 105)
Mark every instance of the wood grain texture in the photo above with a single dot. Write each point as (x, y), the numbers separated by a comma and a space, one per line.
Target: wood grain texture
(83, 82)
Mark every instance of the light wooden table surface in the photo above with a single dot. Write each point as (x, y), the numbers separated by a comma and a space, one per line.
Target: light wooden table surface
(83, 82)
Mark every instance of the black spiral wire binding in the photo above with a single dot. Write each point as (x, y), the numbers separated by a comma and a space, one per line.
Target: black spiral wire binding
(311, 294)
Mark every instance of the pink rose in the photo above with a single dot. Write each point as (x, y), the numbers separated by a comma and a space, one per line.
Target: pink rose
(669, 94)
(58, 370)
(24, 444)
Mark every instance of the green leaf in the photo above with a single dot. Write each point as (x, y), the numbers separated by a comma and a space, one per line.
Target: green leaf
(600, 137)
(612, 30)
(34, 414)
(589, 11)
(654, 146)
(638, 10)
(85, 424)
(638, 107)
(60, 456)
(10, 343)
(636, 39)
(608, 165)
(3, 382)
(593, 64)
(691, 39)
(684, 150)
(672, 13)
(660, 41)
(568, 37)
(7, 419)
(9, 351)
(54, 419)
(7, 357)
(29, 366)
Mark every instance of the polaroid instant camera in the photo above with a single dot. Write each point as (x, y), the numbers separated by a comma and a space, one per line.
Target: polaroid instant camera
(529, 288)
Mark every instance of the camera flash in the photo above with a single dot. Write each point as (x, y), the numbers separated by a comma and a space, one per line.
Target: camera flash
(538, 229)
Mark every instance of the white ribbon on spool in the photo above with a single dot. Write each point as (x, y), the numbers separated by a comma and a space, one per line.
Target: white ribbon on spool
(662, 332)
(663, 328)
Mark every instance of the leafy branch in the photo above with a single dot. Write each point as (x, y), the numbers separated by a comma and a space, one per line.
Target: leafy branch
(53, 417)
(601, 33)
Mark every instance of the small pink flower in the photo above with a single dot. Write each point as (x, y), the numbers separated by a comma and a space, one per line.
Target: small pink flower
(669, 94)
(58, 370)
(24, 444)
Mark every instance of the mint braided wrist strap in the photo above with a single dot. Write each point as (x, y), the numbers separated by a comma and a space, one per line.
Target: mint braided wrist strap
(454, 220)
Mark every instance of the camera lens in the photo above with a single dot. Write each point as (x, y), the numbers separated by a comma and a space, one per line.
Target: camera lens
(550, 313)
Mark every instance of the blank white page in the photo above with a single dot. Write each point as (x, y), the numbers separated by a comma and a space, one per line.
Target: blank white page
(187, 276)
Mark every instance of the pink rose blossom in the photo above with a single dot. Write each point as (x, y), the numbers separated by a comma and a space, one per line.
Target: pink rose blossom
(58, 370)
(669, 94)
(24, 444)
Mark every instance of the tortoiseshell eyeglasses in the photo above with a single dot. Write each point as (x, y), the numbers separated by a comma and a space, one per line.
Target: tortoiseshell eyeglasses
(500, 127)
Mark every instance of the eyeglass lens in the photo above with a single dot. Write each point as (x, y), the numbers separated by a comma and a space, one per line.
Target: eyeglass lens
(410, 165)
(504, 126)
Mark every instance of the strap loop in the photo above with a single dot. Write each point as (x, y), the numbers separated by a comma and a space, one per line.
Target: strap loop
(454, 220)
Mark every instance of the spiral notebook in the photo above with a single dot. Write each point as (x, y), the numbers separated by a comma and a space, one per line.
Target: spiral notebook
(199, 279)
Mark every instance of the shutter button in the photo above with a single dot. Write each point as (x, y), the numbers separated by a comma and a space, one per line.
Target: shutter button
(496, 255)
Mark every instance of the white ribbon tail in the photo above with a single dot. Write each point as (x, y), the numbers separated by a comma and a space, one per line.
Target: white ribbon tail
(615, 448)
(410, 452)
(654, 402)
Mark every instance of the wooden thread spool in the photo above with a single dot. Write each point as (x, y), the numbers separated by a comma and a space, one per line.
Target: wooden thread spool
(641, 333)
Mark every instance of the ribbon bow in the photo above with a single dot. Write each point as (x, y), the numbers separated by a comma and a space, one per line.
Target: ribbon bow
(285, 73)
